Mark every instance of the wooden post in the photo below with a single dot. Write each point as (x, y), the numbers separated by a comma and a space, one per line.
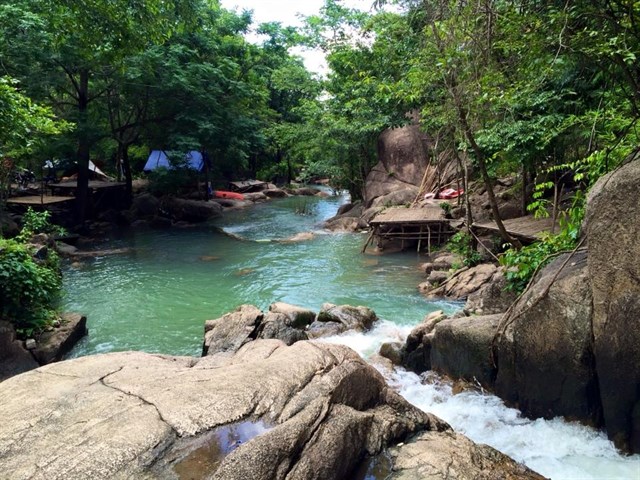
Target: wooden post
(429, 239)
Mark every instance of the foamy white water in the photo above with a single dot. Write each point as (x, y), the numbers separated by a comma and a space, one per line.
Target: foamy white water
(554, 448)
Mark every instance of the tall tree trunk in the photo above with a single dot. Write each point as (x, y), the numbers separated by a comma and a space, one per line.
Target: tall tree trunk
(482, 165)
(128, 178)
(84, 148)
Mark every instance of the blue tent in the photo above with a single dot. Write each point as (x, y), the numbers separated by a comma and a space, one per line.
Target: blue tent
(158, 158)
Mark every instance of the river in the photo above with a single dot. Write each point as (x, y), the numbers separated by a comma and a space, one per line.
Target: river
(156, 298)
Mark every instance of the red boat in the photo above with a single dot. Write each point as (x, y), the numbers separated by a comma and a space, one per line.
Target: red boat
(225, 194)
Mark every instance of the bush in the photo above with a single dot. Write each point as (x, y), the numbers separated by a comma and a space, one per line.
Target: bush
(37, 222)
(522, 264)
(29, 288)
(462, 244)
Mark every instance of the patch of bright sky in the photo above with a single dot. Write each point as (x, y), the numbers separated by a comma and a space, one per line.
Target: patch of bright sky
(288, 13)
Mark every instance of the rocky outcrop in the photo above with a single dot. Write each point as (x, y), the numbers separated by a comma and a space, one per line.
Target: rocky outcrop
(348, 219)
(334, 319)
(230, 332)
(53, 344)
(463, 283)
(461, 348)
(492, 297)
(545, 355)
(317, 411)
(451, 455)
(193, 211)
(612, 227)
(416, 352)
(403, 156)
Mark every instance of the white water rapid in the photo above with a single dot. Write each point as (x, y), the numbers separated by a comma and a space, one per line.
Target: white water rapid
(554, 448)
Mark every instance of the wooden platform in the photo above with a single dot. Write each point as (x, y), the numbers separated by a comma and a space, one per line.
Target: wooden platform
(93, 184)
(38, 200)
(526, 228)
(417, 216)
(426, 225)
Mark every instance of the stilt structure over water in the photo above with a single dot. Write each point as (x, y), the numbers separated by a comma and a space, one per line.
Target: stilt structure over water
(427, 225)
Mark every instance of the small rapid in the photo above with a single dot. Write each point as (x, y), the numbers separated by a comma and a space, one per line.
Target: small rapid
(556, 448)
(156, 297)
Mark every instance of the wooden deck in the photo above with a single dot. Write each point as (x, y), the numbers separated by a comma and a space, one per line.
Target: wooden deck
(426, 226)
(38, 200)
(93, 184)
(416, 216)
(526, 228)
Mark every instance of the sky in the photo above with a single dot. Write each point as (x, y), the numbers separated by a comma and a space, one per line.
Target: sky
(286, 12)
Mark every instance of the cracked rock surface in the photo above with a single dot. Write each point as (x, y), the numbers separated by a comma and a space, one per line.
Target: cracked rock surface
(118, 415)
(311, 410)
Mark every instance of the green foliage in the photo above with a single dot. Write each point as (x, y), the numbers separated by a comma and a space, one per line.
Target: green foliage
(462, 244)
(165, 181)
(524, 263)
(29, 288)
(34, 222)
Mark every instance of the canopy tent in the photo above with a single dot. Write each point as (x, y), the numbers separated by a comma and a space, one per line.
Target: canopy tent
(158, 158)
(97, 172)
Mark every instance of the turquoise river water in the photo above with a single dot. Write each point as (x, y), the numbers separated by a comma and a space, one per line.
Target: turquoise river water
(156, 298)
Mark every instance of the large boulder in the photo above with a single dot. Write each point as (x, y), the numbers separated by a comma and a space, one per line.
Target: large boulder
(612, 227)
(180, 209)
(416, 351)
(403, 196)
(544, 351)
(461, 348)
(267, 412)
(145, 205)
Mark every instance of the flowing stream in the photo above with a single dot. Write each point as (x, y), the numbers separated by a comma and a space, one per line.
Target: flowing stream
(156, 298)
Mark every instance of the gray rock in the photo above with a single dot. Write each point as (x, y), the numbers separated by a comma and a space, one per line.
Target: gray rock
(492, 297)
(462, 348)
(449, 455)
(14, 359)
(612, 226)
(138, 415)
(392, 351)
(545, 355)
(30, 344)
(145, 205)
(416, 352)
(299, 317)
(53, 345)
(180, 209)
(465, 282)
(227, 334)
(334, 319)
(275, 193)
(402, 196)
(437, 277)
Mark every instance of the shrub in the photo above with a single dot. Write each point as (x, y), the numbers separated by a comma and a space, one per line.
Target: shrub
(37, 222)
(29, 288)
(462, 244)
